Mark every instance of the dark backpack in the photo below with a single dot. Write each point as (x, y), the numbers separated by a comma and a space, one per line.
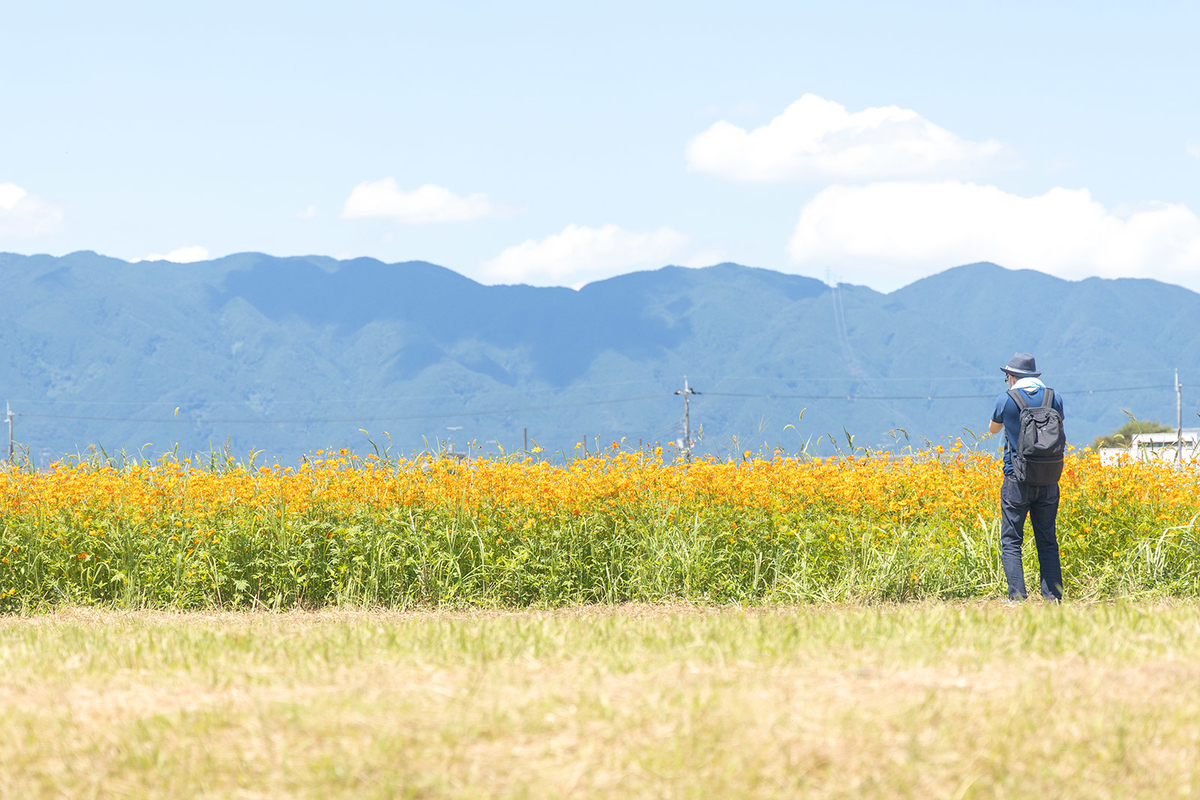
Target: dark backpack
(1037, 457)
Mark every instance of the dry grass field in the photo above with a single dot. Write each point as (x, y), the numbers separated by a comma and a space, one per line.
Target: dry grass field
(952, 700)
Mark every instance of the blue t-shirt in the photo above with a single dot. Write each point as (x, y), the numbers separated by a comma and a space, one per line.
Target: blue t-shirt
(1007, 412)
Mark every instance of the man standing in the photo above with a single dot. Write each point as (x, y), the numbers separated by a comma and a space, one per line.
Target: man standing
(1020, 495)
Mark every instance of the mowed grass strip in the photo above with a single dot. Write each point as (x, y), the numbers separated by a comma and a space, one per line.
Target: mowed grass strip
(915, 700)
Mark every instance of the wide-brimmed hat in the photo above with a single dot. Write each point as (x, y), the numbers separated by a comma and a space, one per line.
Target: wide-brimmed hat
(1022, 365)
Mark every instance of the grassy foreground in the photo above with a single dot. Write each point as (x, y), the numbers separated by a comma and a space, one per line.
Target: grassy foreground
(916, 700)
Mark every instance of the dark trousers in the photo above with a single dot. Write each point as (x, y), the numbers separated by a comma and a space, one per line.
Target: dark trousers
(1041, 504)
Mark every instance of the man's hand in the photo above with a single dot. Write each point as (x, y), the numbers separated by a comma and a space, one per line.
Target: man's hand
(995, 427)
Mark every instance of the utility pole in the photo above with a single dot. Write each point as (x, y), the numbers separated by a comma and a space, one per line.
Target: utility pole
(9, 414)
(687, 418)
(1178, 418)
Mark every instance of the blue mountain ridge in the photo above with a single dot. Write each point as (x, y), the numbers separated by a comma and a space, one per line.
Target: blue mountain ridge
(289, 355)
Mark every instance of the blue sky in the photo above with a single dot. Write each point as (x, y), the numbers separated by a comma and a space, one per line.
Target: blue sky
(555, 143)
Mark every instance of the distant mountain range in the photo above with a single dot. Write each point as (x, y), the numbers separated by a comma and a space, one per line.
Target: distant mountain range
(289, 355)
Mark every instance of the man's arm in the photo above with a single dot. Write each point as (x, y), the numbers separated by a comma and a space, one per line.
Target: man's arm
(997, 423)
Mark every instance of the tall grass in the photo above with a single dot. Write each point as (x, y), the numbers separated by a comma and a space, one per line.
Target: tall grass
(340, 529)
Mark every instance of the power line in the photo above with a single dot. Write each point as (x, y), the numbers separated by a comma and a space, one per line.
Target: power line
(552, 407)
(310, 421)
(982, 378)
(582, 386)
(388, 398)
(916, 396)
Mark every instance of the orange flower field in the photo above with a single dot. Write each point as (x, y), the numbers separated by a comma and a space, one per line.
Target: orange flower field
(346, 529)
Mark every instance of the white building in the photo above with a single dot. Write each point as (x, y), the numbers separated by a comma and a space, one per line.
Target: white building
(1156, 447)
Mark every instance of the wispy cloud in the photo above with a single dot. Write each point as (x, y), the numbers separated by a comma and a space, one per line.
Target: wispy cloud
(817, 139)
(308, 212)
(23, 216)
(428, 204)
(889, 234)
(580, 255)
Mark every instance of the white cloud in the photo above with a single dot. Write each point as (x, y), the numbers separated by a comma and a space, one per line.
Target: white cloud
(889, 234)
(704, 258)
(180, 255)
(23, 216)
(1193, 149)
(580, 255)
(308, 212)
(10, 195)
(427, 204)
(817, 139)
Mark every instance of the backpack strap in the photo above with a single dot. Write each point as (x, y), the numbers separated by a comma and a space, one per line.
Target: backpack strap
(1017, 397)
(1048, 398)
